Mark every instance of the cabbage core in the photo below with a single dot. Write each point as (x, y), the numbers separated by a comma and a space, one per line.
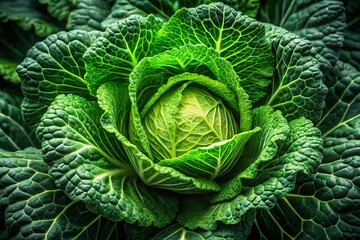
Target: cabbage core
(187, 118)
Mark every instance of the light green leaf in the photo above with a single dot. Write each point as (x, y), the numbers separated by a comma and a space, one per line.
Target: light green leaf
(322, 22)
(14, 135)
(28, 15)
(301, 152)
(30, 196)
(110, 95)
(188, 117)
(8, 70)
(220, 87)
(157, 176)
(113, 56)
(114, 100)
(212, 161)
(52, 67)
(89, 165)
(238, 38)
(297, 88)
(153, 76)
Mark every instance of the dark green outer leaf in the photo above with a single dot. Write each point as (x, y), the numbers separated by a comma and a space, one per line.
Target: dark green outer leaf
(164, 9)
(37, 209)
(14, 135)
(28, 15)
(343, 99)
(59, 9)
(297, 88)
(326, 204)
(350, 52)
(238, 231)
(125, 8)
(320, 21)
(32, 112)
(52, 67)
(88, 14)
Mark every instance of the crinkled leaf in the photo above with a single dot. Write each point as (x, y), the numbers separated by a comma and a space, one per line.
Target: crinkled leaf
(114, 100)
(14, 135)
(30, 196)
(301, 152)
(343, 99)
(89, 165)
(262, 147)
(238, 231)
(322, 22)
(350, 52)
(164, 177)
(110, 95)
(125, 8)
(28, 15)
(297, 88)
(113, 56)
(88, 14)
(334, 189)
(182, 118)
(32, 112)
(212, 161)
(52, 67)
(153, 76)
(164, 9)
(238, 38)
(59, 9)
(248, 7)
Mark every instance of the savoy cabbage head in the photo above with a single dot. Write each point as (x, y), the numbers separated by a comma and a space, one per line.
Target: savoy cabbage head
(191, 123)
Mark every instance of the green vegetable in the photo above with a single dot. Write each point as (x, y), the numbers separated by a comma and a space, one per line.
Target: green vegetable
(162, 122)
